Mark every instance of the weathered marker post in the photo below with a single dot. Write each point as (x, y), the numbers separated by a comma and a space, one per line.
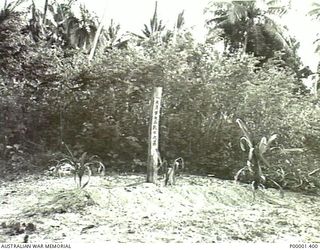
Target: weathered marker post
(153, 149)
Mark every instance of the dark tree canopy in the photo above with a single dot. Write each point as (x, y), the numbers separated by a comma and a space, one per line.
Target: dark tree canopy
(250, 29)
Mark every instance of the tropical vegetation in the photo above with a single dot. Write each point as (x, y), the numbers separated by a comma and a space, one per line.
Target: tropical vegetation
(51, 94)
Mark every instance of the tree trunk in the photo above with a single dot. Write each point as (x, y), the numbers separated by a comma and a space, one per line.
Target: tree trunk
(97, 35)
(153, 151)
(245, 43)
(45, 12)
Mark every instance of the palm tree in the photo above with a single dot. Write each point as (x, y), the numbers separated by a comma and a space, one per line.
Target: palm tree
(178, 26)
(251, 26)
(156, 31)
(111, 34)
(155, 26)
(315, 14)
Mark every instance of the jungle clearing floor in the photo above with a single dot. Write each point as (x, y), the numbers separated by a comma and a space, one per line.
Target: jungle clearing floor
(123, 208)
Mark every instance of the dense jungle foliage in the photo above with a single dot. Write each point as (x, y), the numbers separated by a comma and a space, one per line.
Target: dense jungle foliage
(51, 93)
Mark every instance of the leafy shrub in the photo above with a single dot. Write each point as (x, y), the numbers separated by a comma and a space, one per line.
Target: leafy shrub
(52, 95)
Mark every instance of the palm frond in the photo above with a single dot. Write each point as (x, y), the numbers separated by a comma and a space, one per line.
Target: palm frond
(265, 162)
(236, 12)
(154, 19)
(250, 155)
(315, 12)
(89, 173)
(263, 145)
(247, 140)
(13, 5)
(278, 185)
(180, 20)
(278, 7)
(113, 31)
(245, 23)
(9, 8)
(245, 131)
(69, 151)
(278, 10)
(146, 31)
(83, 159)
(271, 139)
(280, 32)
(236, 177)
(155, 25)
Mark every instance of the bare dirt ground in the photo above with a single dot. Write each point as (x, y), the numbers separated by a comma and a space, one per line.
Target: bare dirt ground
(123, 208)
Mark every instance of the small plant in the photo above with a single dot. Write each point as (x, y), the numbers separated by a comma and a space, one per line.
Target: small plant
(256, 157)
(80, 166)
(171, 170)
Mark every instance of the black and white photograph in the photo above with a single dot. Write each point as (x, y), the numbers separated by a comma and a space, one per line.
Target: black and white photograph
(159, 121)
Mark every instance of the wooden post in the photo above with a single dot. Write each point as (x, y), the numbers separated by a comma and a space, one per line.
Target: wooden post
(153, 149)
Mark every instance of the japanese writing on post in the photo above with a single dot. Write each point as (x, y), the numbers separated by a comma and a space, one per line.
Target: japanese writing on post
(155, 119)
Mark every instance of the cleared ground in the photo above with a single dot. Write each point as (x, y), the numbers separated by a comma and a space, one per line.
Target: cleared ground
(123, 208)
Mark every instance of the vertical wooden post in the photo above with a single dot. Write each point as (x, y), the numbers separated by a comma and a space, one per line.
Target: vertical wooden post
(153, 149)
